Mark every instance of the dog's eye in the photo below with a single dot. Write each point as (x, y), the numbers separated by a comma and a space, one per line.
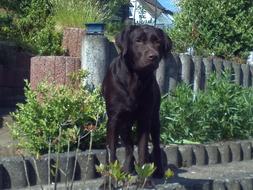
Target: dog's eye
(158, 42)
(139, 40)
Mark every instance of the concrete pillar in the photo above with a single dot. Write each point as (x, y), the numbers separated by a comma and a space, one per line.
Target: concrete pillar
(187, 68)
(251, 74)
(209, 67)
(238, 73)
(246, 75)
(162, 76)
(167, 74)
(198, 83)
(218, 66)
(95, 58)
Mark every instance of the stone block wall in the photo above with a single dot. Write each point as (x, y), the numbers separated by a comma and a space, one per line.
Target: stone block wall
(72, 41)
(17, 65)
(57, 68)
(53, 69)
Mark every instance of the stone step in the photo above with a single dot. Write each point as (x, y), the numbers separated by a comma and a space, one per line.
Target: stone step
(227, 176)
(231, 176)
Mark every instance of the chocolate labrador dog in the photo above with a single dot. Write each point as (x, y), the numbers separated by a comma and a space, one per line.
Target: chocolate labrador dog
(132, 94)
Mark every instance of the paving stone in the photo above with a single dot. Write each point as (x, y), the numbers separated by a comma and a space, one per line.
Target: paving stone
(219, 185)
(38, 171)
(246, 150)
(225, 153)
(233, 185)
(186, 156)
(120, 152)
(13, 173)
(213, 154)
(172, 154)
(86, 166)
(202, 186)
(1, 176)
(236, 151)
(100, 154)
(247, 184)
(200, 155)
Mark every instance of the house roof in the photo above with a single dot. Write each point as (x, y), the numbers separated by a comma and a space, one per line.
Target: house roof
(163, 6)
(169, 5)
(154, 7)
(154, 3)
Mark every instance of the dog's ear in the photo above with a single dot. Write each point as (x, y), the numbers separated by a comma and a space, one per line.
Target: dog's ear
(122, 39)
(167, 43)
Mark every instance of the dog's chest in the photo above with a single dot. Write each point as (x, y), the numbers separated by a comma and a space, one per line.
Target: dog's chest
(138, 92)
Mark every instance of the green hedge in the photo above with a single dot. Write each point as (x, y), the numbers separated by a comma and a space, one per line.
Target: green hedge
(223, 28)
(31, 26)
(223, 111)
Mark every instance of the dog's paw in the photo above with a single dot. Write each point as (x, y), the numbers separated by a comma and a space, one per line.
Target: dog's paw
(158, 174)
(149, 184)
(106, 186)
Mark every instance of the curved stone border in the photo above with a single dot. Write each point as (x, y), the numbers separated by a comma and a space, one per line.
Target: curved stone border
(14, 171)
(188, 155)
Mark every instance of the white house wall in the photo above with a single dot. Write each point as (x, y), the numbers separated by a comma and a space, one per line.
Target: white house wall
(163, 21)
(135, 11)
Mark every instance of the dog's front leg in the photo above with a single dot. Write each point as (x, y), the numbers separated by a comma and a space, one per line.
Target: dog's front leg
(157, 152)
(111, 141)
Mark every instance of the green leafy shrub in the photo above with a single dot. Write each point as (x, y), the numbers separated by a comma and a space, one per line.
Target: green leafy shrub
(224, 28)
(223, 112)
(31, 26)
(55, 115)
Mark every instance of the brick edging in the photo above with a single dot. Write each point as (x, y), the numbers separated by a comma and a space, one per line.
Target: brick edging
(13, 170)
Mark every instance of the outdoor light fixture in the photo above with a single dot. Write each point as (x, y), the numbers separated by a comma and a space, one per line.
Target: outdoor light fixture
(95, 28)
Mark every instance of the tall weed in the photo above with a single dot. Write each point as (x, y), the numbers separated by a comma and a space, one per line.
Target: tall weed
(75, 13)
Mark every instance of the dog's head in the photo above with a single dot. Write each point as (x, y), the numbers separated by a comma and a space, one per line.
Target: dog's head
(143, 46)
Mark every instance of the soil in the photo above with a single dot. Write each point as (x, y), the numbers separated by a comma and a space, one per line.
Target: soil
(7, 144)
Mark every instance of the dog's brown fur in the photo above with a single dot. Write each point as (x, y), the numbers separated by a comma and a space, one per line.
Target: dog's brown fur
(132, 94)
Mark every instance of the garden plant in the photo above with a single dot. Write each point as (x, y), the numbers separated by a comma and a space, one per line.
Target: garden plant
(58, 111)
(37, 25)
(220, 28)
(222, 112)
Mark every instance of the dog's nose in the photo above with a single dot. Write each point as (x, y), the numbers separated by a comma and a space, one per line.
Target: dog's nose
(153, 56)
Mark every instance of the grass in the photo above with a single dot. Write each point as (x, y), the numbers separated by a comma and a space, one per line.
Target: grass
(75, 13)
